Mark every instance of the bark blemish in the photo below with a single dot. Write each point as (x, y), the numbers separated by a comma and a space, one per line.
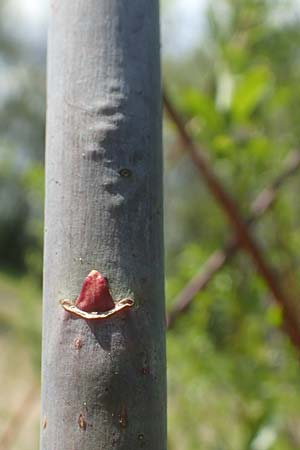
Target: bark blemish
(141, 439)
(145, 370)
(123, 417)
(126, 173)
(94, 155)
(44, 423)
(78, 343)
(82, 422)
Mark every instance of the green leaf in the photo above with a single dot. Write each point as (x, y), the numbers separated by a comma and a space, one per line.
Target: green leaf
(251, 89)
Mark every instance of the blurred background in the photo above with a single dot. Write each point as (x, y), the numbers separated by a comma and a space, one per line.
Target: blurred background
(231, 73)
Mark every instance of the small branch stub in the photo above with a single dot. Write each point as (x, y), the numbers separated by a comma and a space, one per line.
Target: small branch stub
(95, 301)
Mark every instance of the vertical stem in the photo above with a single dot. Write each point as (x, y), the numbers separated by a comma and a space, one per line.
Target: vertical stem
(103, 382)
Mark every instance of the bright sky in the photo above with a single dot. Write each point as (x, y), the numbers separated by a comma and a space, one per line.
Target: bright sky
(28, 19)
(35, 11)
(181, 25)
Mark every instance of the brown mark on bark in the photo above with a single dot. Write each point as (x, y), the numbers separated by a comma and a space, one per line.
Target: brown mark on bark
(82, 422)
(145, 370)
(78, 343)
(123, 417)
(44, 423)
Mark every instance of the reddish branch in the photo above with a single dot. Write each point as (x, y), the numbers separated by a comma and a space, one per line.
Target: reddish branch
(220, 257)
(239, 226)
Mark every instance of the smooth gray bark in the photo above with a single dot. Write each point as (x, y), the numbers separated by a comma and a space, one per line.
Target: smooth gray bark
(103, 383)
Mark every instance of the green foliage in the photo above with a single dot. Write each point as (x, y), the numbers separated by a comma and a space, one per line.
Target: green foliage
(22, 114)
(233, 374)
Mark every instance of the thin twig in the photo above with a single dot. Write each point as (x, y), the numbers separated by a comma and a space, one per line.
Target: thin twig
(239, 225)
(220, 257)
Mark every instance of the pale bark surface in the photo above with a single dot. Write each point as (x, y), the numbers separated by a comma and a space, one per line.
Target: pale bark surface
(103, 383)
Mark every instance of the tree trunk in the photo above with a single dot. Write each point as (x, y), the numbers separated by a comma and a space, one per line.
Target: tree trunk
(103, 383)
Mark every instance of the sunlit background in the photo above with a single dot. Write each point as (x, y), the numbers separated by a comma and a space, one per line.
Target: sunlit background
(231, 73)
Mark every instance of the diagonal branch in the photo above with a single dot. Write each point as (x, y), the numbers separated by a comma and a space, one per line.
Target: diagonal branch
(239, 226)
(220, 257)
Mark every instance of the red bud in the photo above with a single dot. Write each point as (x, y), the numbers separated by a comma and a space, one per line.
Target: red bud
(94, 295)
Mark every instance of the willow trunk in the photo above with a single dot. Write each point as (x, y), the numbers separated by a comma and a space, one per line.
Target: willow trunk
(103, 382)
